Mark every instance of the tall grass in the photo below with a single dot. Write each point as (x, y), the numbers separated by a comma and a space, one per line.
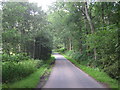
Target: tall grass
(32, 80)
(12, 71)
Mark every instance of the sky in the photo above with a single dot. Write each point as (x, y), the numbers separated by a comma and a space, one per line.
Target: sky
(43, 3)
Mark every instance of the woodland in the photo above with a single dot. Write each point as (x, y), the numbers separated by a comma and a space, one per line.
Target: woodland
(86, 32)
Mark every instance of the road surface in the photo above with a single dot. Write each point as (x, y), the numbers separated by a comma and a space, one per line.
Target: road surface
(66, 75)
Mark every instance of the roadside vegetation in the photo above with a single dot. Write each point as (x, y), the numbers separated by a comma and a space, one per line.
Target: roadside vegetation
(96, 73)
(87, 33)
(27, 74)
(27, 45)
(87, 66)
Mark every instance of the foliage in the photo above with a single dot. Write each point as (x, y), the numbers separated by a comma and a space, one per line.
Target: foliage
(33, 79)
(12, 71)
(15, 58)
(105, 40)
(96, 73)
(77, 56)
(43, 47)
(22, 23)
(61, 50)
(89, 33)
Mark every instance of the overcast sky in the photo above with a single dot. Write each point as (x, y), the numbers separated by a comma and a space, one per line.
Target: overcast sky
(43, 3)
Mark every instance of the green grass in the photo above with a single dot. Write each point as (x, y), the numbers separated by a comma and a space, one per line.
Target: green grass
(28, 82)
(96, 74)
(32, 80)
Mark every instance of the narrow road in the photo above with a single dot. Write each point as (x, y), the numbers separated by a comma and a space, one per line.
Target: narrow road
(66, 75)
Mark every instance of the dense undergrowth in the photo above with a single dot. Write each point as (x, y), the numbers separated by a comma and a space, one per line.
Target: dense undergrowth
(30, 81)
(16, 68)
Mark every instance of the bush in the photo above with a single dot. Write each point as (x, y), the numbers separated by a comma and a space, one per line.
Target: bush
(113, 71)
(50, 61)
(75, 55)
(69, 53)
(12, 71)
(15, 58)
(61, 50)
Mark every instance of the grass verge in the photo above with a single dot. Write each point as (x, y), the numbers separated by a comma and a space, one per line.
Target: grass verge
(96, 74)
(32, 80)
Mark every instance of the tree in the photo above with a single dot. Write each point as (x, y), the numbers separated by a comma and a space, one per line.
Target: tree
(88, 32)
(22, 22)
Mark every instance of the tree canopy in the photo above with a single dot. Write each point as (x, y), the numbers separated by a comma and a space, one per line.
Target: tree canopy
(22, 24)
(89, 31)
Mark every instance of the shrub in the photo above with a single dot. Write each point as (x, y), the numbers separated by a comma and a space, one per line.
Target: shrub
(69, 53)
(12, 71)
(15, 58)
(50, 61)
(112, 70)
(61, 50)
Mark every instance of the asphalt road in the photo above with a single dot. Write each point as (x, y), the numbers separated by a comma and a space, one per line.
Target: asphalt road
(66, 75)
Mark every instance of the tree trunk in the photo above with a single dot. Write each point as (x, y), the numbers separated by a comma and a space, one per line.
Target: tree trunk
(89, 19)
(33, 53)
(70, 44)
(91, 26)
(86, 32)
